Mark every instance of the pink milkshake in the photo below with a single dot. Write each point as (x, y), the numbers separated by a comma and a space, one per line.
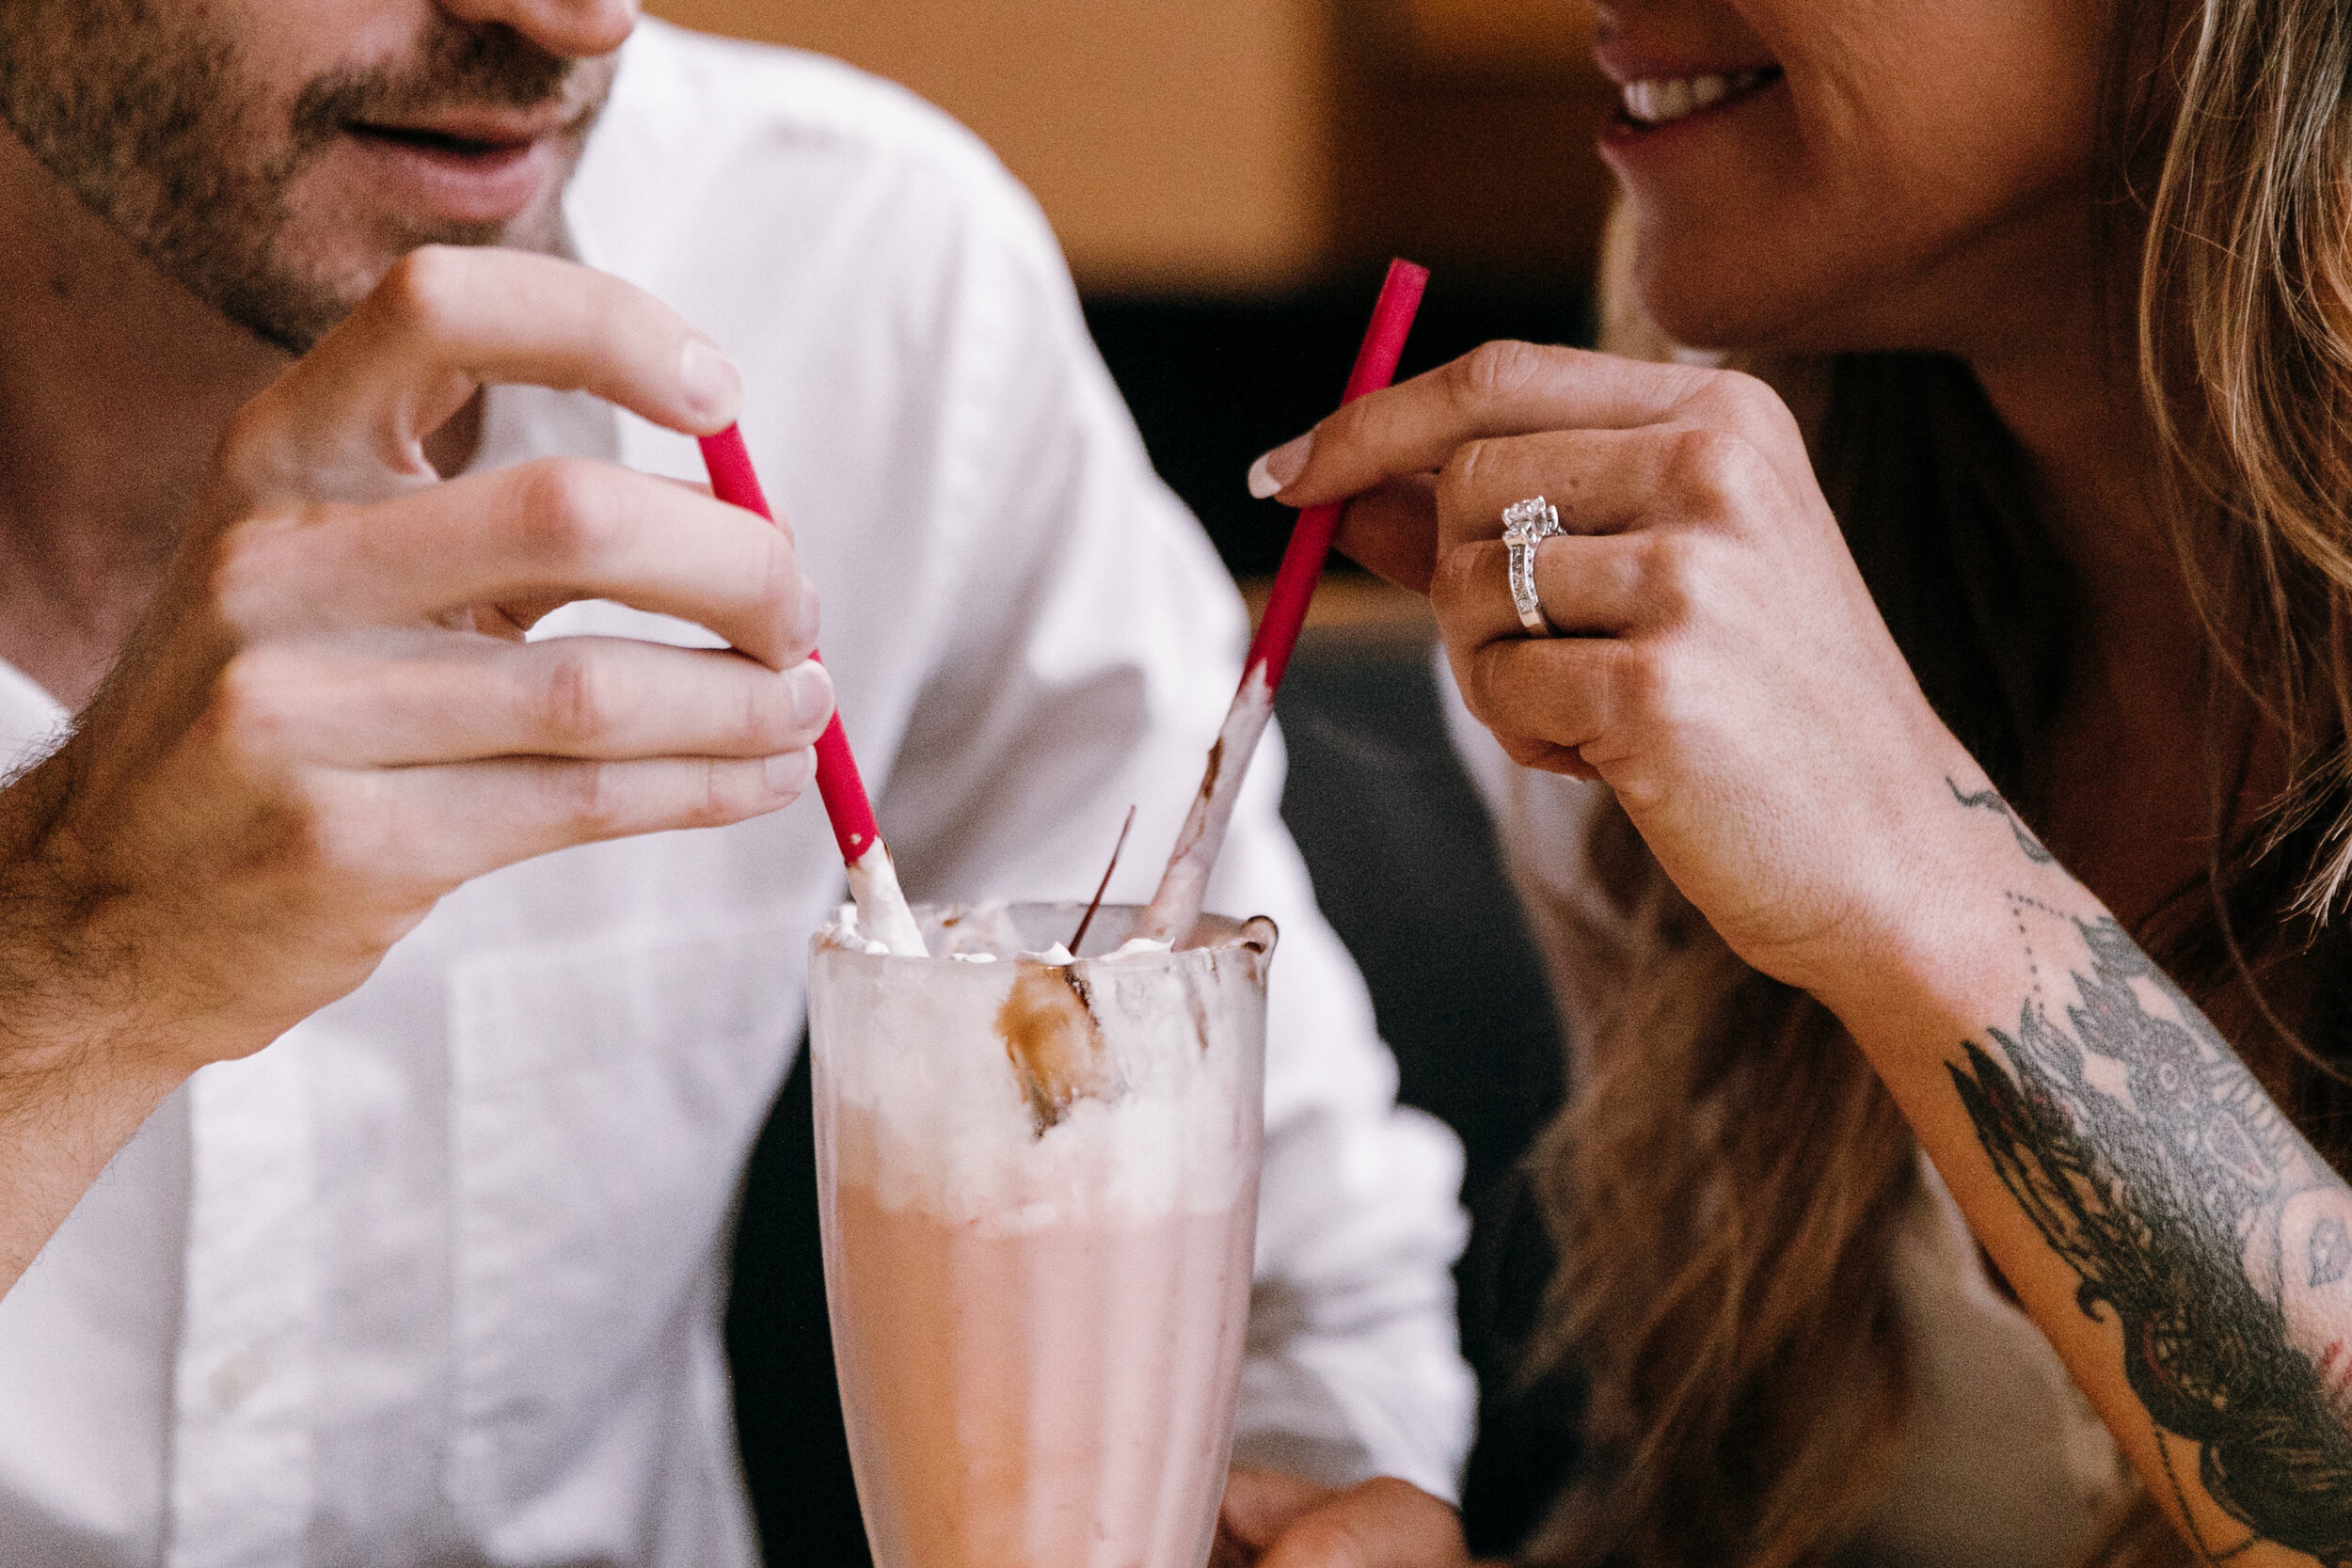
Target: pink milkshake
(1039, 1200)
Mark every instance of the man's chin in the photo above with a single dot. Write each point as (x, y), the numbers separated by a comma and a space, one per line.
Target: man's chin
(314, 285)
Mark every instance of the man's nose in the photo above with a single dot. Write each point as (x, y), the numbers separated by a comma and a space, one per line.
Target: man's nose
(573, 28)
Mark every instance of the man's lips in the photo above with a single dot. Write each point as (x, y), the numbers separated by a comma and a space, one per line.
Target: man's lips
(475, 131)
(465, 167)
(442, 144)
(476, 127)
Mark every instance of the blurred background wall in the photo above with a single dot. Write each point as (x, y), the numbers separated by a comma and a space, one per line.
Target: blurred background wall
(1254, 147)
(1228, 178)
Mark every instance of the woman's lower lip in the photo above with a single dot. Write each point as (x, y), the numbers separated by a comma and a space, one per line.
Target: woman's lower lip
(1621, 136)
(454, 181)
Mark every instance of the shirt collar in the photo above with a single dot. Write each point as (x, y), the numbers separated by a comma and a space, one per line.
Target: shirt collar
(31, 722)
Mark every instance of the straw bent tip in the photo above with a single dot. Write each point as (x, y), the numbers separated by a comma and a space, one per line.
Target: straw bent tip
(882, 913)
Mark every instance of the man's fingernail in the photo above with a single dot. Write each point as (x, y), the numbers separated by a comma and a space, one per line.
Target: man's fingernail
(806, 619)
(1271, 474)
(790, 771)
(812, 693)
(713, 385)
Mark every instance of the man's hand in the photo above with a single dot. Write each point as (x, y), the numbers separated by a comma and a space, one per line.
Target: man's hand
(328, 719)
(1272, 1520)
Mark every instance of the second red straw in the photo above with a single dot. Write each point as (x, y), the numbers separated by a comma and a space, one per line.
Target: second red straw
(1185, 883)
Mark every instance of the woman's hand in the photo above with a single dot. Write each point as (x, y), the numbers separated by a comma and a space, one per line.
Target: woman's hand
(1718, 662)
(1273, 1520)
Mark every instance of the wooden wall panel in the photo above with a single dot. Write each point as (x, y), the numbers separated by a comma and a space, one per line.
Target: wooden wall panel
(1176, 146)
(1253, 147)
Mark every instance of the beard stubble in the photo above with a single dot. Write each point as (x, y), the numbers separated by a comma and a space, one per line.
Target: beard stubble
(159, 125)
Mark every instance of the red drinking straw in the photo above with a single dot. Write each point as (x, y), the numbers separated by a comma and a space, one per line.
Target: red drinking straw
(732, 480)
(1177, 904)
(1310, 537)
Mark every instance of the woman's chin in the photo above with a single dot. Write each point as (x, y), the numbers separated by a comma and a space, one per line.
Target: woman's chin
(1717, 321)
(1730, 311)
(1716, 291)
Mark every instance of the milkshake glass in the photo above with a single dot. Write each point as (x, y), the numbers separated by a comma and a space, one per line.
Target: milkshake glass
(1039, 1187)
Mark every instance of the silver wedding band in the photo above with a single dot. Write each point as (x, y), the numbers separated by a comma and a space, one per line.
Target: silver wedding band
(1525, 525)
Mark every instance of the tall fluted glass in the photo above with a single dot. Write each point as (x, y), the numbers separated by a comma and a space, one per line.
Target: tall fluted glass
(1039, 1187)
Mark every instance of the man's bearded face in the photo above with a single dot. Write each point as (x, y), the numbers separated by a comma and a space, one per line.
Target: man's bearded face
(276, 157)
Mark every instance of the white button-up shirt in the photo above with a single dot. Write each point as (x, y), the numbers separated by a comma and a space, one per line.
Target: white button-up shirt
(438, 1277)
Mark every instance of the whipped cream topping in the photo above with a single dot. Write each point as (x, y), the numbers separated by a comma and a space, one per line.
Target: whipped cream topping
(1154, 1112)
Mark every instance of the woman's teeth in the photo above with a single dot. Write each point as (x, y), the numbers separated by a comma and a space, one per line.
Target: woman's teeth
(1660, 101)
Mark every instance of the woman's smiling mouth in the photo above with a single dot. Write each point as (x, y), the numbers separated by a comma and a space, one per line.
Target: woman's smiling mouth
(1654, 101)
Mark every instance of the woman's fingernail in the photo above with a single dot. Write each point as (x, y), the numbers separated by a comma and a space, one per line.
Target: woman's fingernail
(712, 387)
(812, 693)
(1270, 475)
(789, 773)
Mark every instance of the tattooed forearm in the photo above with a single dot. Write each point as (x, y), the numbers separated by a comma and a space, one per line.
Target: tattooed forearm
(1989, 798)
(2197, 1220)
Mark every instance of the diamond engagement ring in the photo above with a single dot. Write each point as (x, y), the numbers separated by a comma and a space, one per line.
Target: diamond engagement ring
(1525, 525)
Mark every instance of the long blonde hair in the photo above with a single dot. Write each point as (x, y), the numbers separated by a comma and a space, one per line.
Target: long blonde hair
(1726, 1179)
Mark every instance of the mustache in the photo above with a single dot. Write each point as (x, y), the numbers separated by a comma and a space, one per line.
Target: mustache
(487, 65)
